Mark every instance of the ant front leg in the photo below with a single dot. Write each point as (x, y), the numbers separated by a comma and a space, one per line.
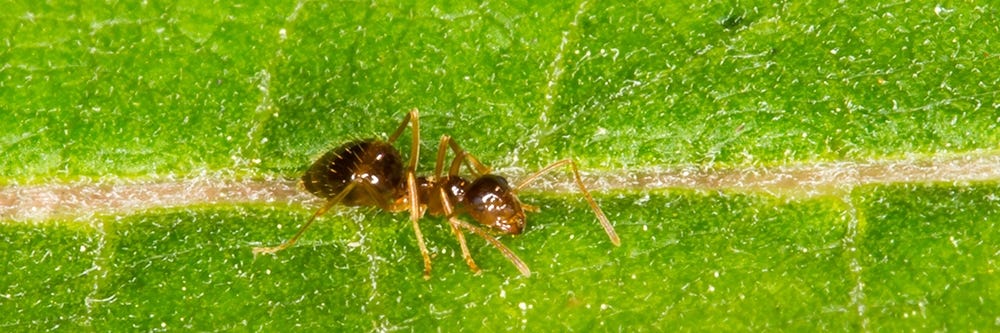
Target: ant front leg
(455, 222)
(449, 211)
(455, 227)
(610, 230)
(446, 201)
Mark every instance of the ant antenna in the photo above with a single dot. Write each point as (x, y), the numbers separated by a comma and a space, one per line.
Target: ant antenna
(610, 230)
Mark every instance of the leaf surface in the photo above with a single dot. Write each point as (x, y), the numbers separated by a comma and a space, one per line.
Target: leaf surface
(96, 95)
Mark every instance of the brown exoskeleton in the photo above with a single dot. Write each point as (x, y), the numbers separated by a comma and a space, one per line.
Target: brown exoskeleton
(371, 173)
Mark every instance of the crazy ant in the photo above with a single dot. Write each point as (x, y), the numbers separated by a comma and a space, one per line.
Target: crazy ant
(371, 173)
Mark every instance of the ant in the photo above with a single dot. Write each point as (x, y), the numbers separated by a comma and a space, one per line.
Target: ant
(370, 172)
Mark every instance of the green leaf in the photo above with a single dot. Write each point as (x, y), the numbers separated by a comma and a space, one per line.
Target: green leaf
(796, 166)
(929, 255)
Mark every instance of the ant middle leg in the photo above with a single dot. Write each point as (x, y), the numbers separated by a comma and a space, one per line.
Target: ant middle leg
(447, 206)
(445, 199)
(455, 228)
(610, 230)
(456, 223)
(411, 191)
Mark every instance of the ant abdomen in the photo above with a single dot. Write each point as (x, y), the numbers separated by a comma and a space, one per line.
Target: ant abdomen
(366, 163)
(491, 201)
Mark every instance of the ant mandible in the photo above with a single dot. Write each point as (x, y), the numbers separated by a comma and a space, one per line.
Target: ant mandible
(370, 173)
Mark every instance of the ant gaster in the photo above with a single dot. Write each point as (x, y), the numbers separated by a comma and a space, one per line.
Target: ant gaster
(371, 173)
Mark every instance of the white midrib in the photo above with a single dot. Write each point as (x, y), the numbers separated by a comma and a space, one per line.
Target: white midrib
(47, 201)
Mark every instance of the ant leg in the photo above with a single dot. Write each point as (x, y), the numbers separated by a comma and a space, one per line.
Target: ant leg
(610, 230)
(411, 191)
(456, 223)
(333, 201)
(530, 208)
(412, 118)
(450, 213)
(447, 205)
(477, 168)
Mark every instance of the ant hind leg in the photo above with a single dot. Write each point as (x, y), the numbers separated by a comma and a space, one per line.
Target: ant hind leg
(411, 184)
(412, 118)
(330, 203)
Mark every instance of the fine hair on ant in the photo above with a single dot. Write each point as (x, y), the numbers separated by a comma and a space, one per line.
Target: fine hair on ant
(370, 172)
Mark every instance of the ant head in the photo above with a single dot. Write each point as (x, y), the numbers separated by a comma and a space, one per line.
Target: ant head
(492, 202)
